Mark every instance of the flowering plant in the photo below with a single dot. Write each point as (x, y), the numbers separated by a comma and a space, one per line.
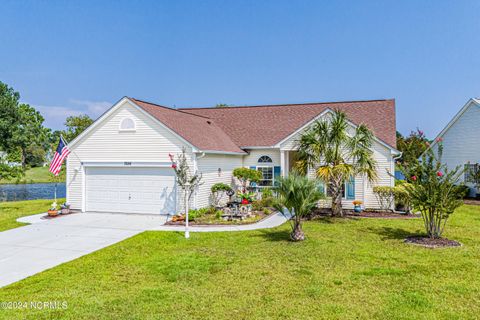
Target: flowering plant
(432, 189)
(357, 202)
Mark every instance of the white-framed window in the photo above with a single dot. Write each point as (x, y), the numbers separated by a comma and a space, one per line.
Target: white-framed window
(265, 166)
(265, 159)
(267, 173)
(127, 124)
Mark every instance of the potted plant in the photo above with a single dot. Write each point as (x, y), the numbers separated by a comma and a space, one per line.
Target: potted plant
(53, 212)
(357, 206)
(247, 197)
(65, 208)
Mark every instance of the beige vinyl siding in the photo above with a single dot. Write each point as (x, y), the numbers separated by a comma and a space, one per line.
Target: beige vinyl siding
(208, 166)
(105, 143)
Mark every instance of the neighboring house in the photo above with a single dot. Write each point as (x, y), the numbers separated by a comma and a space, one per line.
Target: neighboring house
(121, 163)
(461, 141)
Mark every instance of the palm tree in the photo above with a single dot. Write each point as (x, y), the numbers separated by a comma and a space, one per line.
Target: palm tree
(336, 155)
(300, 196)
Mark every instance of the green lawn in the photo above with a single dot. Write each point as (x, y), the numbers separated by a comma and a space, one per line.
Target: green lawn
(33, 175)
(346, 269)
(10, 211)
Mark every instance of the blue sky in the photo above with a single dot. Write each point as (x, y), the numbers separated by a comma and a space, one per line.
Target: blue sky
(80, 57)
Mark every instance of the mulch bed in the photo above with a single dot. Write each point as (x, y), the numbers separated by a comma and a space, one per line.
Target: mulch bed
(364, 214)
(433, 243)
(471, 201)
(260, 214)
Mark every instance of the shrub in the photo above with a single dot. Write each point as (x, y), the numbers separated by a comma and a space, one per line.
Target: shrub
(385, 196)
(267, 193)
(402, 197)
(218, 192)
(267, 211)
(432, 190)
(462, 191)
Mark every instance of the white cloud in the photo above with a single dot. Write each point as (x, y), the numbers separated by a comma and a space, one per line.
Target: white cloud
(94, 108)
(55, 115)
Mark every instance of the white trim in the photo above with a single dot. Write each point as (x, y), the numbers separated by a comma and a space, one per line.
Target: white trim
(126, 164)
(455, 119)
(267, 165)
(67, 179)
(259, 147)
(222, 152)
(278, 145)
(283, 170)
(84, 188)
(113, 109)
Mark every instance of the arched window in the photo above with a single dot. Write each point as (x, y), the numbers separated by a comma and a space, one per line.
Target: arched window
(127, 124)
(265, 159)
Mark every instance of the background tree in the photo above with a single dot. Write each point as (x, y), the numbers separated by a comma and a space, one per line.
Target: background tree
(300, 196)
(75, 126)
(28, 132)
(222, 105)
(413, 146)
(9, 100)
(335, 155)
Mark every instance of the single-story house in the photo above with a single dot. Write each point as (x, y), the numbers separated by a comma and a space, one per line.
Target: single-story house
(121, 162)
(461, 142)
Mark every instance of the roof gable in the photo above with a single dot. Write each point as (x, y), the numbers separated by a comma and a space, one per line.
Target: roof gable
(470, 102)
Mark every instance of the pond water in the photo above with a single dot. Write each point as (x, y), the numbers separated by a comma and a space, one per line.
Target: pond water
(18, 192)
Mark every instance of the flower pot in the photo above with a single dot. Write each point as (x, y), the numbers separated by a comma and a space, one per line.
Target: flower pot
(52, 213)
(65, 211)
(245, 201)
(357, 208)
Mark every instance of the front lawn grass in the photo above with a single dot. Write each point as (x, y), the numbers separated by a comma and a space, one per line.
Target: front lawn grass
(33, 175)
(346, 269)
(11, 211)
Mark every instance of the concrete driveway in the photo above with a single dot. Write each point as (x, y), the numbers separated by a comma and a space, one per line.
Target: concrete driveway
(44, 244)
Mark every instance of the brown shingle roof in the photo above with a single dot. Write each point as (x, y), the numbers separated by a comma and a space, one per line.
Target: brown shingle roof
(267, 125)
(230, 128)
(200, 131)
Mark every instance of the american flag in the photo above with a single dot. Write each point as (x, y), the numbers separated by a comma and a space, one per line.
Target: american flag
(60, 155)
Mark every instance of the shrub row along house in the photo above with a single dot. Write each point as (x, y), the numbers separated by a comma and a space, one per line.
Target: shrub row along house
(121, 162)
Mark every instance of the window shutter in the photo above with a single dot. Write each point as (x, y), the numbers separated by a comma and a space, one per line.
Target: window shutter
(276, 174)
(351, 188)
(321, 187)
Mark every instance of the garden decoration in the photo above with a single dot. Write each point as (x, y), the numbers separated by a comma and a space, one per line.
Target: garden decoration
(357, 206)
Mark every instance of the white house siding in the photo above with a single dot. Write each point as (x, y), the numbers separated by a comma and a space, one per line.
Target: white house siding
(150, 142)
(461, 142)
(252, 158)
(209, 166)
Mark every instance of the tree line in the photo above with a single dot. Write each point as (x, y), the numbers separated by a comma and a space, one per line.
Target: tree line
(24, 140)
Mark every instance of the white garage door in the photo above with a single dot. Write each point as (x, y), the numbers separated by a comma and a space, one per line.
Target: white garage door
(130, 190)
